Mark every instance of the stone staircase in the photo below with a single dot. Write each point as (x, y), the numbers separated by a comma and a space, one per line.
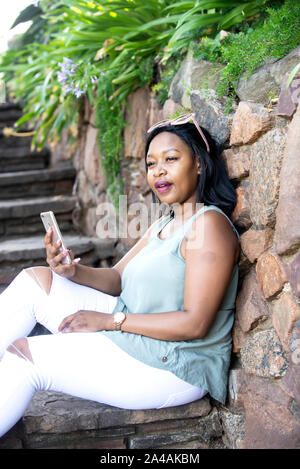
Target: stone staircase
(28, 186)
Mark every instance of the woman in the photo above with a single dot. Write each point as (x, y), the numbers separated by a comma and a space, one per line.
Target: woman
(154, 330)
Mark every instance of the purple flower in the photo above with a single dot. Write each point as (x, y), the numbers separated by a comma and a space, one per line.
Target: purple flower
(67, 89)
(65, 59)
(78, 92)
(61, 77)
(65, 77)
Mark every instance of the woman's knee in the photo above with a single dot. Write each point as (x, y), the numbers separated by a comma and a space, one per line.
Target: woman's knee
(42, 276)
(20, 348)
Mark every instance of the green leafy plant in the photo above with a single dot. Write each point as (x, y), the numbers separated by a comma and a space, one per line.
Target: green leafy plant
(115, 47)
(271, 36)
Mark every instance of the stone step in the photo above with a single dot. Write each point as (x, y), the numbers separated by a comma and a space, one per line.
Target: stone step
(21, 217)
(10, 114)
(23, 208)
(20, 253)
(58, 421)
(21, 158)
(14, 142)
(8, 106)
(37, 183)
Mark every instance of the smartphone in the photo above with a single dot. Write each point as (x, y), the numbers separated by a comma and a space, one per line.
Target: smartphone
(49, 221)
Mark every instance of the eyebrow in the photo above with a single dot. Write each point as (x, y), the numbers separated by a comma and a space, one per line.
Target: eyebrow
(165, 151)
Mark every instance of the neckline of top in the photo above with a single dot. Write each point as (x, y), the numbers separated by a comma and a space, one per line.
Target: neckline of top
(169, 218)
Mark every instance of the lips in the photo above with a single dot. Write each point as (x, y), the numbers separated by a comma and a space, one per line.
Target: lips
(160, 184)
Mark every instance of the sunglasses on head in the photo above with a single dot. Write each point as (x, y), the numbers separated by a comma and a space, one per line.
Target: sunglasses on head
(182, 119)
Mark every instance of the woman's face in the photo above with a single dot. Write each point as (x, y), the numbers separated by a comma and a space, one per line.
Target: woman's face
(172, 171)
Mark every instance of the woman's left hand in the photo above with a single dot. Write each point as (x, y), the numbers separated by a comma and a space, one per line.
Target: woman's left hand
(86, 321)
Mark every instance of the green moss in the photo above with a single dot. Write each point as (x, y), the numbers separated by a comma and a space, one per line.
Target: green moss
(243, 52)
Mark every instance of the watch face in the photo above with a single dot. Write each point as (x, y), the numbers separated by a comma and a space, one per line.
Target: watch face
(119, 317)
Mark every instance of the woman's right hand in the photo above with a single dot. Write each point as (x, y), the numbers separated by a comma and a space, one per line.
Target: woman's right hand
(54, 258)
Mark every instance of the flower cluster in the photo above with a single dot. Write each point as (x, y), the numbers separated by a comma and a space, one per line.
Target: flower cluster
(73, 78)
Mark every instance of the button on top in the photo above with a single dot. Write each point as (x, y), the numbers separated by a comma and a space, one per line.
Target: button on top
(164, 359)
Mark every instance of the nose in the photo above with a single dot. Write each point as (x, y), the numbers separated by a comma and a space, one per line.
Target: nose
(159, 168)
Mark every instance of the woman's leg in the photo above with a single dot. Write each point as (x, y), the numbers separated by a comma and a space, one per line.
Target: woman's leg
(40, 295)
(89, 366)
(17, 309)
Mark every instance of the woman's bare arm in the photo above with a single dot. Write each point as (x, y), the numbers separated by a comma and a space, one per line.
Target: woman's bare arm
(209, 263)
(105, 279)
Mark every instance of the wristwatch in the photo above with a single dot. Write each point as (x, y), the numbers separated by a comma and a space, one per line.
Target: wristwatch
(119, 318)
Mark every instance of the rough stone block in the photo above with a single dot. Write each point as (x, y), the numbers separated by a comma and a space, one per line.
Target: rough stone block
(237, 162)
(269, 421)
(137, 118)
(170, 108)
(238, 337)
(154, 113)
(290, 383)
(287, 229)
(210, 114)
(250, 306)
(241, 214)
(141, 179)
(250, 121)
(236, 388)
(267, 78)
(292, 271)
(265, 167)
(206, 429)
(75, 440)
(289, 98)
(255, 242)
(92, 158)
(262, 355)
(161, 440)
(193, 75)
(285, 314)
(270, 274)
(51, 413)
(233, 426)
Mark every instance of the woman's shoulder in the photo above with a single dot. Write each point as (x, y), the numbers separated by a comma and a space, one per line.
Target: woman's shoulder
(214, 226)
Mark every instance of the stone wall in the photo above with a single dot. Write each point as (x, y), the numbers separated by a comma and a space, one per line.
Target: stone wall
(262, 146)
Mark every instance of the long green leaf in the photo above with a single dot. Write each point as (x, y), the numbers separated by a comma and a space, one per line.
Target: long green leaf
(205, 4)
(178, 7)
(124, 78)
(195, 23)
(292, 74)
(27, 14)
(48, 78)
(25, 118)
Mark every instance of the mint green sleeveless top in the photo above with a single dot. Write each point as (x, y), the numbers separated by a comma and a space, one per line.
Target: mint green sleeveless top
(153, 282)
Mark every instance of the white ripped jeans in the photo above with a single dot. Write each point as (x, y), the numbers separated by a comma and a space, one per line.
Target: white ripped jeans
(83, 364)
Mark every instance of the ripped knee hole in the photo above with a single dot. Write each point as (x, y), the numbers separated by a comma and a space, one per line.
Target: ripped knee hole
(20, 348)
(42, 276)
